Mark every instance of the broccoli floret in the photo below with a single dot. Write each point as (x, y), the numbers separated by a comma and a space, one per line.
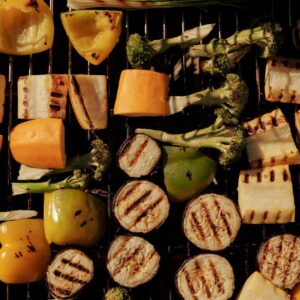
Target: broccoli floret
(229, 140)
(117, 293)
(85, 168)
(231, 98)
(140, 51)
(268, 36)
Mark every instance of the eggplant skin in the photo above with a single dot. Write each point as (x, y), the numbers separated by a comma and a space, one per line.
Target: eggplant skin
(205, 277)
(279, 260)
(132, 261)
(138, 155)
(141, 206)
(211, 222)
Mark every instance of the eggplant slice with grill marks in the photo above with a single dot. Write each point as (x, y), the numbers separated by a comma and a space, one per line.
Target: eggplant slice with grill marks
(141, 206)
(139, 155)
(211, 222)
(205, 277)
(279, 260)
(132, 261)
(70, 271)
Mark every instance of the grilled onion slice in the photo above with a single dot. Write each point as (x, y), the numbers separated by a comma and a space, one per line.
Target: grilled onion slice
(138, 155)
(205, 277)
(132, 261)
(279, 260)
(70, 271)
(211, 222)
(141, 206)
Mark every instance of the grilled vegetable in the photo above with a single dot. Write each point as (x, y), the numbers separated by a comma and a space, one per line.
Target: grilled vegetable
(270, 141)
(229, 140)
(147, 4)
(86, 167)
(266, 196)
(2, 96)
(39, 143)
(117, 293)
(138, 155)
(211, 222)
(25, 253)
(279, 260)
(295, 292)
(142, 93)
(42, 96)
(141, 51)
(88, 94)
(26, 27)
(132, 261)
(282, 80)
(257, 287)
(73, 217)
(93, 33)
(187, 172)
(17, 215)
(268, 37)
(206, 276)
(141, 206)
(70, 271)
(231, 98)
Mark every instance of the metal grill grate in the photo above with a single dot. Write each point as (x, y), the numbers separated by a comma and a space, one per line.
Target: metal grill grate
(168, 239)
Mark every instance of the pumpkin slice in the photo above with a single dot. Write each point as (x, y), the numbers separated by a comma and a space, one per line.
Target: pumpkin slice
(26, 27)
(93, 33)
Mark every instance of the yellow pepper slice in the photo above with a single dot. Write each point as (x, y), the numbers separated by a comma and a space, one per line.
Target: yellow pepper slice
(73, 217)
(26, 27)
(25, 253)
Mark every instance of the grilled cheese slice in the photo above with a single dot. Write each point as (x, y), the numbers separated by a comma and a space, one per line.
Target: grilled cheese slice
(2, 96)
(42, 96)
(257, 287)
(282, 80)
(266, 196)
(270, 141)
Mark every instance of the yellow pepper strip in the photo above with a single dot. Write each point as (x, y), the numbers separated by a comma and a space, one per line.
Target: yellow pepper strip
(25, 253)
(73, 217)
(26, 27)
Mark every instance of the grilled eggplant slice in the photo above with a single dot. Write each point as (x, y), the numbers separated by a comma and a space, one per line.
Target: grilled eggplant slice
(282, 80)
(88, 94)
(205, 277)
(139, 155)
(279, 260)
(132, 261)
(42, 96)
(70, 271)
(266, 196)
(211, 222)
(2, 96)
(141, 206)
(270, 141)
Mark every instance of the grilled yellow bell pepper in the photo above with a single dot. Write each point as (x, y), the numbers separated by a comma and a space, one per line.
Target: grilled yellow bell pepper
(25, 253)
(26, 27)
(73, 217)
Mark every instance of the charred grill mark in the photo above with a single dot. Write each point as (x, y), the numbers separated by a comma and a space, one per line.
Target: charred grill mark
(246, 178)
(75, 265)
(121, 248)
(147, 211)
(217, 279)
(264, 255)
(137, 202)
(210, 222)
(196, 226)
(224, 219)
(280, 96)
(259, 163)
(262, 124)
(77, 213)
(25, 90)
(189, 283)
(272, 176)
(128, 193)
(127, 259)
(203, 279)
(69, 277)
(56, 94)
(250, 129)
(252, 215)
(277, 216)
(138, 153)
(55, 107)
(274, 122)
(30, 247)
(280, 252)
(77, 91)
(60, 290)
(285, 175)
(273, 63)
(293, 97)
(258, 175)
(290, 260)
(265, 215)
(125, 150)
(273, 159)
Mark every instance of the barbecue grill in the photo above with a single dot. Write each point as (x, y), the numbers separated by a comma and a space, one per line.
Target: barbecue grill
(169, 239)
